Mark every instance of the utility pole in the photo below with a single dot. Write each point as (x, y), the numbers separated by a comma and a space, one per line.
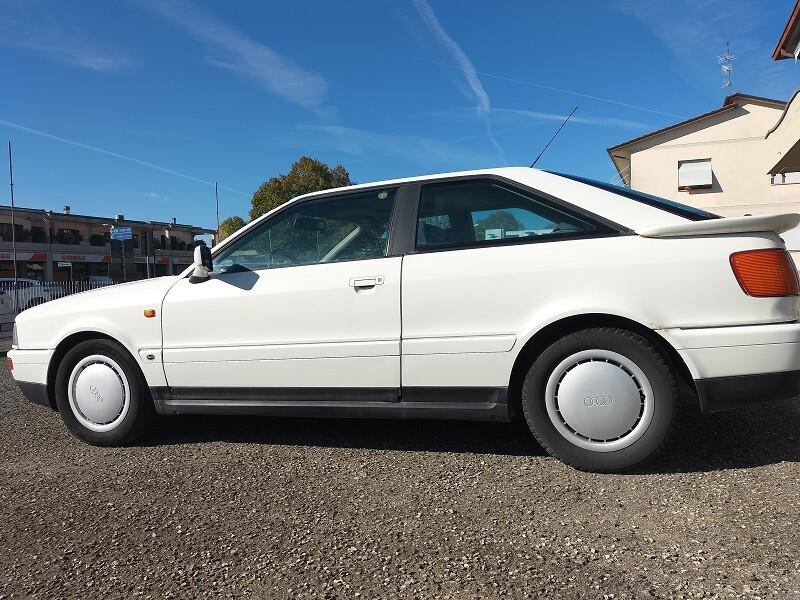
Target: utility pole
(13, 227)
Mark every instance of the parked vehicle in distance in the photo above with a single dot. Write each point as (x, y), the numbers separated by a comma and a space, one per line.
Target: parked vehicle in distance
(592, 312)
(6, 316)
(99, 279)
(30, 292)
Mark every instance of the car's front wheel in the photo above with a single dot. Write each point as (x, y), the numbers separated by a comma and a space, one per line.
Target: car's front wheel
(101, 394)
(601, 399)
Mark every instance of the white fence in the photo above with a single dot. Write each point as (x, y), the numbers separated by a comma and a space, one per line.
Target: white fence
(30, 292)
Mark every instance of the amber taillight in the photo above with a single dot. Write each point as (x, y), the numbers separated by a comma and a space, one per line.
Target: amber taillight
(766, 273)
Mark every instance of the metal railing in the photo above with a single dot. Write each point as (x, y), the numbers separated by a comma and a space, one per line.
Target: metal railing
(31, 292)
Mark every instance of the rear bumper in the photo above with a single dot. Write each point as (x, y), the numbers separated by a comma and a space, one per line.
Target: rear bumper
(735, 366)
(725, 393)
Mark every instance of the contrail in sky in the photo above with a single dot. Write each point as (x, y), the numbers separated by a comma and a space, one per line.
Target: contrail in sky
(130, 159)
(556, 89)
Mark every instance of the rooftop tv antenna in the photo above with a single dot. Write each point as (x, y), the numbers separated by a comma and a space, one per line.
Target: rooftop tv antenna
(725, 61)
(554, 137)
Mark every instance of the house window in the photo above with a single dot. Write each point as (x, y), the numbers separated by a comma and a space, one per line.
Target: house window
(68, 236)
(782, 178)
(694, 174)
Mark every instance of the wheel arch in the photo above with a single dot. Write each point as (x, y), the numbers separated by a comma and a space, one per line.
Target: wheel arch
(64, 346)
(548, 334)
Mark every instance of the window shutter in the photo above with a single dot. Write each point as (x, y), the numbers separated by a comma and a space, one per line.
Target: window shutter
(694, 174)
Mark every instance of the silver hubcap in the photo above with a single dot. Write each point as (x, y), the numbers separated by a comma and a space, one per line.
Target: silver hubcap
(98, 393)
(599, 400)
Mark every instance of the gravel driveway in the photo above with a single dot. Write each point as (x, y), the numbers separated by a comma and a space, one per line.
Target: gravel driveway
(259, 507)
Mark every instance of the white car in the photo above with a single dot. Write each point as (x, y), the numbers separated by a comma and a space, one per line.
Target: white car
(6, 315)
(30, 292)
(596, 318)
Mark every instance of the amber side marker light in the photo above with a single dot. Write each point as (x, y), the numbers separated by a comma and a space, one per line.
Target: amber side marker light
(149, 312)
(9, 363)
(765, 273)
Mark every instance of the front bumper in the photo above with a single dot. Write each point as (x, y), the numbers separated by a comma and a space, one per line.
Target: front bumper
(30, 374)
(36, 393)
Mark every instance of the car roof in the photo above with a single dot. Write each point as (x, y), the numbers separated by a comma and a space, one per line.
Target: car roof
(605, 203)
(613, 207)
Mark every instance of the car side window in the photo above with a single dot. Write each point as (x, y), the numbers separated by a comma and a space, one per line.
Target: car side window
(347, 227)
(475, 213)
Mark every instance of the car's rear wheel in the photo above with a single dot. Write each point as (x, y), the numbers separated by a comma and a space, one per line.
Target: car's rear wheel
(601, 399)
(101, 394)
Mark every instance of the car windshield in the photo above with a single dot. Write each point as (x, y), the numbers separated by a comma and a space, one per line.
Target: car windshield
(670, 206)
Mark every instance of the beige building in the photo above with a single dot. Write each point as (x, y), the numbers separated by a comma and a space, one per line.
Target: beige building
(742, 158)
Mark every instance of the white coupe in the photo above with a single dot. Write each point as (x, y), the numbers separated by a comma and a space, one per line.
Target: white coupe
(594, 312)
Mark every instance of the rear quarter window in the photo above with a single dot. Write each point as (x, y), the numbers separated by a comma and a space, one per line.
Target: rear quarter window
(676, 208)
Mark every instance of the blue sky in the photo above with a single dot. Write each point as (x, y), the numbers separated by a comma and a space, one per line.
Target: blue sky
(138, 106)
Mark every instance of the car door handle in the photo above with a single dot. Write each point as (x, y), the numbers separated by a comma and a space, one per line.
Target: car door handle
(366, 282)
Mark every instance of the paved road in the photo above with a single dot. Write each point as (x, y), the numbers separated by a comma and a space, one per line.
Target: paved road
(238, 507)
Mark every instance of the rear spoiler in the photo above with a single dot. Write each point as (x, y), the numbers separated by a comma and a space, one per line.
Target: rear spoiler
(758, 223)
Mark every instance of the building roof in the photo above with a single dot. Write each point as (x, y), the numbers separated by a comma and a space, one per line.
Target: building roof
(103, 220)
(789, 42)
(730, 102)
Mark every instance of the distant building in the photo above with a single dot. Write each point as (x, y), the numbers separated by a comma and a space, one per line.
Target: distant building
(63, 246)
(789, 42)
(742, 158)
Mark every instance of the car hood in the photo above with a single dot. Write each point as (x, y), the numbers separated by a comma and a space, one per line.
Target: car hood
(105, 310)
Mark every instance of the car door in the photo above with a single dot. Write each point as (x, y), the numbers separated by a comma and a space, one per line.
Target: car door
(305, 306)
(485, 253)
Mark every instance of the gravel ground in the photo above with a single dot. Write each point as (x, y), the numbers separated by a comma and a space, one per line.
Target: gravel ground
(259, 507)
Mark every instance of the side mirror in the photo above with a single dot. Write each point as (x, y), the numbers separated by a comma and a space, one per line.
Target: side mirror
(203, 264)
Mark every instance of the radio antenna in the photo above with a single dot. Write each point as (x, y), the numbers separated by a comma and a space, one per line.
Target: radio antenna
(725, 61)
(554, 137)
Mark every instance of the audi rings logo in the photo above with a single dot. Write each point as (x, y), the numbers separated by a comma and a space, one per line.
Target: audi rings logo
(605, 400)
(96, 393)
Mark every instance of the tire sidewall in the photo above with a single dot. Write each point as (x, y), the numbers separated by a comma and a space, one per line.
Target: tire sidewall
(634, 347)
(128, 428)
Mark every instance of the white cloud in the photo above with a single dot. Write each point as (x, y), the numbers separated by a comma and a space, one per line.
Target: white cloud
(245, 56)
(30, 27)
(483, 104)
(425, 152)
(576, 118)
(696, 31)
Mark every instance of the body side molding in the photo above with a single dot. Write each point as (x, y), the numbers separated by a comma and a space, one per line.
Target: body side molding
(471, 404)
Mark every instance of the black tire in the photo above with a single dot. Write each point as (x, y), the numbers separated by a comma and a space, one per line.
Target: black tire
(636, 349)
(140, 411)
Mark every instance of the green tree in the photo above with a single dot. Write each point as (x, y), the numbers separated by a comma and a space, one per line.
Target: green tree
(306, 175)
(230, 226)
(502, 219)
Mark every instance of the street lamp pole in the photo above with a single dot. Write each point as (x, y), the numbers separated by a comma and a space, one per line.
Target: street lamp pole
(13, 226)
(216, 198)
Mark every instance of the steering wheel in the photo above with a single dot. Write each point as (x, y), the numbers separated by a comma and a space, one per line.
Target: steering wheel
(287, 257)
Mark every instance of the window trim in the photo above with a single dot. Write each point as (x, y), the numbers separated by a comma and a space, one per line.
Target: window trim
(672, 207)
(320, 196)
(611, 229)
